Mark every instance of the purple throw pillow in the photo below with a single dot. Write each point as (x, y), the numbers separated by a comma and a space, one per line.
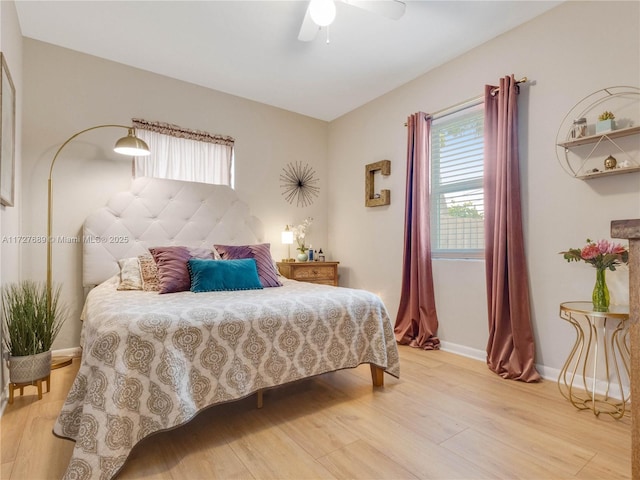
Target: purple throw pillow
(262, 255)
(173, 274)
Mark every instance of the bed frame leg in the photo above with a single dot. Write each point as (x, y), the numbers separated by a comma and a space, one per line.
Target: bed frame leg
(377, 376)
(259, 398)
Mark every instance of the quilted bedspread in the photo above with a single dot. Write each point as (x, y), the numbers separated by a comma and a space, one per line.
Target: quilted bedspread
(151, 362)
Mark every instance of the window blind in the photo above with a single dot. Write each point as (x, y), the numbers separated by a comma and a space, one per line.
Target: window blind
(457, 196)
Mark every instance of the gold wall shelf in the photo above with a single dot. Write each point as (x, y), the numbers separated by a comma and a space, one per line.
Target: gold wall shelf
(623, 132)
(584, 157)
(606, 173)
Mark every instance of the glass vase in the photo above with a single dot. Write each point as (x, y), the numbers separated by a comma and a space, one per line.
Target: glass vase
(600, 296)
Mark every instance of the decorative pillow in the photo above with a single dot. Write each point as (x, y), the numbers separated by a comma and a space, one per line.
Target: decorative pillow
(219, 275)
(262, 255)
(204, 253)
(130, 277)
(173, 275)
(149, 273)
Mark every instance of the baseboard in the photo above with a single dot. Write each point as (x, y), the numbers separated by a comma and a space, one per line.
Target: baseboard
(464, 351)
(75, 352)
(547, 373)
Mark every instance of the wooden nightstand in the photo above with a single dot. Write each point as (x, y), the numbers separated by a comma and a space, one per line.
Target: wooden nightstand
(312, 272)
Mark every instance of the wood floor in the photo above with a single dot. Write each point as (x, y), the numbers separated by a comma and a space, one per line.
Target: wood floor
(448, 417)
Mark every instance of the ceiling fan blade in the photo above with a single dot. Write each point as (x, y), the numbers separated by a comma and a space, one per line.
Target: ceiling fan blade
(393, 9)
(308, 29)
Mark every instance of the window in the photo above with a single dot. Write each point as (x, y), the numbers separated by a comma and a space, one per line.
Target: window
(457, 196)
(181, 154)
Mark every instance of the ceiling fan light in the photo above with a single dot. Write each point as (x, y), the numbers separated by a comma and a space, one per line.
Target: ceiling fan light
(322, 12)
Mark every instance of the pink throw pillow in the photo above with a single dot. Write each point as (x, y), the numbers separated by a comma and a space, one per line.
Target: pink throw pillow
(262, 255)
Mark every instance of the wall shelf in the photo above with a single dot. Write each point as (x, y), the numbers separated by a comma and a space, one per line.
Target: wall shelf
(606, 173)
(623, 132)
(583, 157)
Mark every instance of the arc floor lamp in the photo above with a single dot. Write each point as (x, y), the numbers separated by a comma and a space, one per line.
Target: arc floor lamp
(129, 145)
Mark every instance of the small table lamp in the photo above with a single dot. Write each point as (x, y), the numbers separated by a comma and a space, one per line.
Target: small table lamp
(287, 239)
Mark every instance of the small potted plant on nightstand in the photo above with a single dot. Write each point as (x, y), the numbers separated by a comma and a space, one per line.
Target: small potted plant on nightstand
(30, 327)
(605, 122)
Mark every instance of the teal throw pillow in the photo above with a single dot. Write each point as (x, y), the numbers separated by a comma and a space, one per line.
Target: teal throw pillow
(223, 275)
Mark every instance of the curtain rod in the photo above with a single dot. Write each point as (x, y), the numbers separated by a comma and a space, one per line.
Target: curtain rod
(467, 103)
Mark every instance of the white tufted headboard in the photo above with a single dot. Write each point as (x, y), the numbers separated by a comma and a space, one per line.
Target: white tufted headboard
(157, 212)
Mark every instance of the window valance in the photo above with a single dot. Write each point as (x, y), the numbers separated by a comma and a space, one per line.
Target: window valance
(182, 132)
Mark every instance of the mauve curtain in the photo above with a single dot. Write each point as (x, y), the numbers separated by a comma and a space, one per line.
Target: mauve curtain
(417, 321)
(511, 348)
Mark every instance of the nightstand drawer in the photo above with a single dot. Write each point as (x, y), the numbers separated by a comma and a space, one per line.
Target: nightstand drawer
(325, 273)
(313, 272)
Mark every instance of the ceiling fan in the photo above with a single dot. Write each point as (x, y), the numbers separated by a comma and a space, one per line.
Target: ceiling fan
(321, 13)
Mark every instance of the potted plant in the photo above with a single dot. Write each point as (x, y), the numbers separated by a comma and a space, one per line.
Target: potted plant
(605, 122)
(30, 326)
(299, 233)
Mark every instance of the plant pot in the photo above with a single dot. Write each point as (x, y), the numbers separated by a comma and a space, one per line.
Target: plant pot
(603, 126)
(30, 367)
(303, 257)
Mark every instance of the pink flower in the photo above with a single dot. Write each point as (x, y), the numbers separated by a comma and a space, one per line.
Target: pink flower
(618, 248)
(604, 246)
(602, 254)
(590, 251)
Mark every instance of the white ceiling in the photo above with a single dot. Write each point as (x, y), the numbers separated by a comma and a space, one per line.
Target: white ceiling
(250, 48)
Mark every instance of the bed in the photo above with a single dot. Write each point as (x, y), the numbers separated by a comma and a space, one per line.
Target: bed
(153, 361)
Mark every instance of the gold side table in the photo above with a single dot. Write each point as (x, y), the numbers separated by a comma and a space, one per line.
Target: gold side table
(600, 337)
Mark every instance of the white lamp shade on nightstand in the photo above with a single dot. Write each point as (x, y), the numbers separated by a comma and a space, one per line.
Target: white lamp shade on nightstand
(287, 237)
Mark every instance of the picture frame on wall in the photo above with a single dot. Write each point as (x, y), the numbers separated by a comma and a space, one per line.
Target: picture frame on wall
(7, 135)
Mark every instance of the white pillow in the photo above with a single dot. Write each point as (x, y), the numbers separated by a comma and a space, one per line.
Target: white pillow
(130, 276)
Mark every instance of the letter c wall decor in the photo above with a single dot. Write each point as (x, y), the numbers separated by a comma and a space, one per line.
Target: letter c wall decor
(371, 198)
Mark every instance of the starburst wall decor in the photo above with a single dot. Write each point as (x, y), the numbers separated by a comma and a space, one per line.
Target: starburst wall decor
(298, 183)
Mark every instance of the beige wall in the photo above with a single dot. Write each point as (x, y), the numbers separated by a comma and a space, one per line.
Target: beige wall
(10, 268)
(66, 92)
(567, 53)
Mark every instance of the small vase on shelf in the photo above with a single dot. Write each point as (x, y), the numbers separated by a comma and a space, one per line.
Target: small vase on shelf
(600, 296)
(303, 257)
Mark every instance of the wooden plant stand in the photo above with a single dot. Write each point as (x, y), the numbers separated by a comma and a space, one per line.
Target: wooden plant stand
(36, 383)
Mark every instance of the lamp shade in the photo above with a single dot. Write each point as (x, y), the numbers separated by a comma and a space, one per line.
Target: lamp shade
(322, 12)
(287, 237)
(132, 145)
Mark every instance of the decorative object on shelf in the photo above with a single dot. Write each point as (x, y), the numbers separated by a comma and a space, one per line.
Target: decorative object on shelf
(321, 257)
(298, 182)
(610, 163)
(583, 157)
(605, 122)
(32, 320)
(579, 128)
(287, 239)
(299, 233)
(603, 255)
(373, 199)
(7, 140)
